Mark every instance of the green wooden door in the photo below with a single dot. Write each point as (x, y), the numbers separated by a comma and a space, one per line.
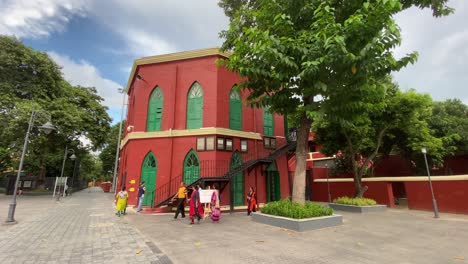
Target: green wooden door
(235, 110)
(273, 183)
(191, 168)
(195, 107)
(268, 125)
(238, 180)
(155, 109)
(148, 175)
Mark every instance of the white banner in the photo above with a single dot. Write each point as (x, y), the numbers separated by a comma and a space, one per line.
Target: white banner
(205, 196)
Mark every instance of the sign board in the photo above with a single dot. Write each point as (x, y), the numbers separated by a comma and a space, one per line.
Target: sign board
(205, 196)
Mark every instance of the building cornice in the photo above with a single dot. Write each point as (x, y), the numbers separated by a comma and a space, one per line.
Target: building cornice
(190, 132)
(173, 57)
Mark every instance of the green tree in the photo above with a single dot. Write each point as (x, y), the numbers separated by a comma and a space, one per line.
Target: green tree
(292, 51)
(450, 123)
(375, 127)
(107, 155)
(30, 79)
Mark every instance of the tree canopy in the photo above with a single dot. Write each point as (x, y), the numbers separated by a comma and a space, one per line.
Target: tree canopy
(30, 79)
(302, 53)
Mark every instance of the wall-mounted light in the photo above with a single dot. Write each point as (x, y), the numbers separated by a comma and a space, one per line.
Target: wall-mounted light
(138, 76)
(129, 128)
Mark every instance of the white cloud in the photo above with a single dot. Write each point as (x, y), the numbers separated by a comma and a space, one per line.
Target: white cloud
(38, 18)
(84, 74)
(442, 44)
(158, 27)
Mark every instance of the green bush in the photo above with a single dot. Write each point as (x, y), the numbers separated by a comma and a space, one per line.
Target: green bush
(355, 201)
(294, 210)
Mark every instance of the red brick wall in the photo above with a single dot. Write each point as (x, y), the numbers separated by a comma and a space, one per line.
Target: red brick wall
(379, 191)
(451, 196)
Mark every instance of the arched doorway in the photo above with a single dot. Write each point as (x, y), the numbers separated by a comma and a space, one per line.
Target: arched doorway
(273, 183)
(191, 167)
(148, 175)
(238, 179)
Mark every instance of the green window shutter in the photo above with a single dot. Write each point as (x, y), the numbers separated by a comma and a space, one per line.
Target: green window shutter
(235, 110)
(268, 125)
(155, 109)
(148, 175)
(191, 168)
(195, 107)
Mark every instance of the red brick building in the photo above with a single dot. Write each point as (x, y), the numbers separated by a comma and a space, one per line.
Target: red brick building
(185, 122)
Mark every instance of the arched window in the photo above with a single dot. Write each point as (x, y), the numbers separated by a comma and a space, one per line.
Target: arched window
(191, 167)
(155, 110)
(195, 107)
(235, 110)
(268, 125)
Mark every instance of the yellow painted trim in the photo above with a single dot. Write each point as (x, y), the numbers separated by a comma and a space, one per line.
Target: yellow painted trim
(400, 179)
(326, 158)
(173, 57)
(190, 132)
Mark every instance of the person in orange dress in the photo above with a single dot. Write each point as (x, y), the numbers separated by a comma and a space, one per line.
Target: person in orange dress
(251, 201)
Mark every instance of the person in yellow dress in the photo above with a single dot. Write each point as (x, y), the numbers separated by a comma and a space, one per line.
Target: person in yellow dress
(121, 197)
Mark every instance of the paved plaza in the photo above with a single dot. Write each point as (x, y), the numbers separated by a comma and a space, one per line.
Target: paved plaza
(84, 229)
(81, 228)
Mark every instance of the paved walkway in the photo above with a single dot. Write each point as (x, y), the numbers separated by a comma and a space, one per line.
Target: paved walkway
(84, 229)
(79, 229)
(395, 236)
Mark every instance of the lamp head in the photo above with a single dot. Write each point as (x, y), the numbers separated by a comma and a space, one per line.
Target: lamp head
(73, 157)
(138, 76)
(47, 127)
(423, 150)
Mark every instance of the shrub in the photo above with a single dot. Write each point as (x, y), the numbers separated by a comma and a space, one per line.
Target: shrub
(294, 210)
(355, 201)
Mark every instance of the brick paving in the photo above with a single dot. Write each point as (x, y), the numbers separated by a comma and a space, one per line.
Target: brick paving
(84, 229)
(395, 236)
(81, 228)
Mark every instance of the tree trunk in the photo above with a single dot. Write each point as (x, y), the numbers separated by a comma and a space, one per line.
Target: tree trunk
(301, 156)
(359, 190)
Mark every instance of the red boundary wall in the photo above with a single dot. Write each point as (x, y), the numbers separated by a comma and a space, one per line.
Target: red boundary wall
(379, 191)
(451, 196)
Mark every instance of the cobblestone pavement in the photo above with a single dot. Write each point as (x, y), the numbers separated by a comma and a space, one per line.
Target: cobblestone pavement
(396, 236)
(81, 228)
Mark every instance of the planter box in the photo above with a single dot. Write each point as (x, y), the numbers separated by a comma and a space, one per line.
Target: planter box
(358, 209)
(298, 224)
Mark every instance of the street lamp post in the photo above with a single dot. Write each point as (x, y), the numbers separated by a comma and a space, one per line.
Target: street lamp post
(118, 142)
(47, 128)
(72, 157)
(434, 202)
(73, 177)
(328, 185)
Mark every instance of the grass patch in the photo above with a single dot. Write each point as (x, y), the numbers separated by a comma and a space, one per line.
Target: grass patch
(354, 201)
(294, 210)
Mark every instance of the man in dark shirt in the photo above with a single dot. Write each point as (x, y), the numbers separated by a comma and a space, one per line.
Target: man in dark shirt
(141, 195)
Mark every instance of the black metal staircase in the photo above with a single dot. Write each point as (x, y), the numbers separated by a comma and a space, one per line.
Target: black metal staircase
(228, 176)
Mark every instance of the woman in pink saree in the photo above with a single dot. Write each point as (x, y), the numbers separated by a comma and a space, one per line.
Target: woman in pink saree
(196, 208)
(215, 208)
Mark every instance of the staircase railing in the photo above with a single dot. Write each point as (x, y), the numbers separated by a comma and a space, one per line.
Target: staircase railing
(221, 169)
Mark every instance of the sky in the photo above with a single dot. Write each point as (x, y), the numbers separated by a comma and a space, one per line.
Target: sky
(96, 42)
